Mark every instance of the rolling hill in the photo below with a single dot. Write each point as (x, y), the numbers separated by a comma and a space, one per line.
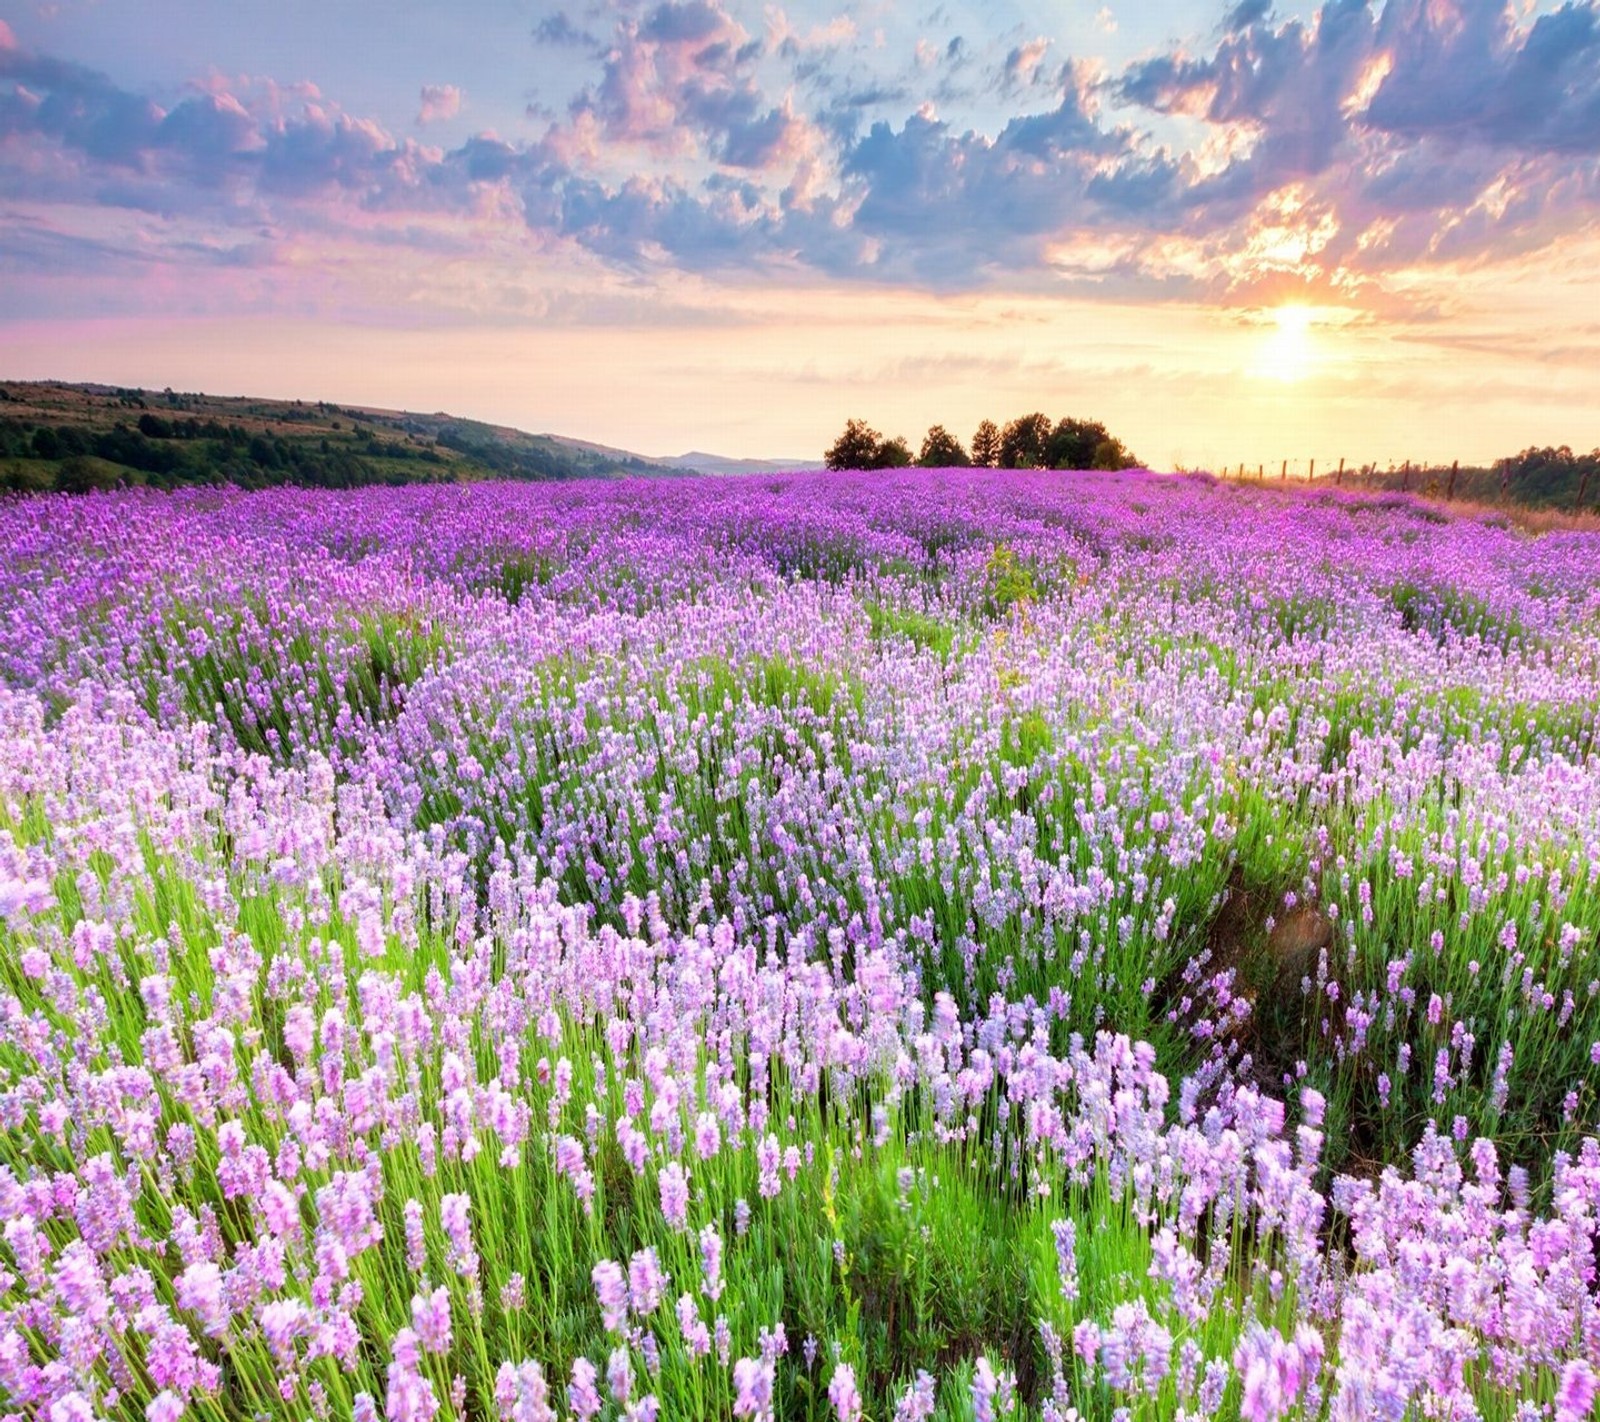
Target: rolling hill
(79, 437)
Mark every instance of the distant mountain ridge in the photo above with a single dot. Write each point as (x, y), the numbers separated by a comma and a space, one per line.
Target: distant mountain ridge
(699, 462)
(59, 435)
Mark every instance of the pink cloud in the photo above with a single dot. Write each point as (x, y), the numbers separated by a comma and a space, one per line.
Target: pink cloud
(1022, 64)
(781, 32)
(439, 101)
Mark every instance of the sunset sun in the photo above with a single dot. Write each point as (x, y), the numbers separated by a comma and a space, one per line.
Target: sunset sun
(1288, 351)
(1293, 320)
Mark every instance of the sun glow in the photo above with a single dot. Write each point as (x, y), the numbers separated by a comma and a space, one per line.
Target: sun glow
(1290, 350)
(1294, 320)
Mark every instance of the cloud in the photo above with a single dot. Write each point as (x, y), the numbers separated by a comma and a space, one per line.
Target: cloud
(945, 206)
(1536, 91)
(215, 151)
(685, 22)
(1322, 153)
(790, 42)
(210, 134)
(80, 108)
(439, 101)
(666, 78)
(1430, 130)
(558, 29)
(1022, 63)
(1245, 14)
(682, 82)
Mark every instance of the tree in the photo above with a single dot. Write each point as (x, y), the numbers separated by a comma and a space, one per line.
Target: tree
(28, 478)
(941, 450)
(82, 474)
(1023, 442)
(1551, 475)
(264, 452)
(892, 454)
(1072, 444)
(986, 445)
(1113, 454)
(856, 448)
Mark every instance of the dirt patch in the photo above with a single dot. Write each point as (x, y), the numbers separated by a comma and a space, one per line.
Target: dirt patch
(1294, 946)
(1269, 966)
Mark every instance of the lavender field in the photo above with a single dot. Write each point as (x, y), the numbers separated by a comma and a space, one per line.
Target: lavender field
(963, 944)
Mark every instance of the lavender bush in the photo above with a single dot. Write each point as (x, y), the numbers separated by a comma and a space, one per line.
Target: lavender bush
(942, 944)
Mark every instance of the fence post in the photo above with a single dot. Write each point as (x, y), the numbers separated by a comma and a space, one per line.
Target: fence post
(1261, 473)
(1338, 478)
(1283, 477)
(1505, 480)
(1311, 473)
(1450, 491)
(1405, 478)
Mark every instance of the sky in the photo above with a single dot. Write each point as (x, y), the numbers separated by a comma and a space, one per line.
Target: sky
(1235, 232)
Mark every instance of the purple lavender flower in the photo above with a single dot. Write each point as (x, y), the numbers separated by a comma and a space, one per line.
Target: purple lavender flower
(843, 1395)
(752, 1385)
(647, 1282)
(1066, 1236)
(1575, 1397)
(611, 1289)
(674, 1186)
(583, 1396)
(711, 1263)
(430, 1319)
(619, 1376)
(919, 1400)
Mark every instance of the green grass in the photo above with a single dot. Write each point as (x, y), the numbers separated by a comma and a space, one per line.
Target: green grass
(922, 630)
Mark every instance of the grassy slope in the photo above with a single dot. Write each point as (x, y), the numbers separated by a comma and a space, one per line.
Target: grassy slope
(256, 442)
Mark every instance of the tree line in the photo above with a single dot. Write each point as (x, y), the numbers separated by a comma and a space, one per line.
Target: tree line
(1029, 442)
(1547, 476)
(166, 453)
(1553, 475)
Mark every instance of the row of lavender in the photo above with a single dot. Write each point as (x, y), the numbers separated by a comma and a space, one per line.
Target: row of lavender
(722, 949)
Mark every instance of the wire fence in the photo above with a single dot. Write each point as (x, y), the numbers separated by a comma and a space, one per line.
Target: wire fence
(1477, 483)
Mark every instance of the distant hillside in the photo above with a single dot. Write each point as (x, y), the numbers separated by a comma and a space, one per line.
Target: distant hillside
(700, 463)
(81, 437)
